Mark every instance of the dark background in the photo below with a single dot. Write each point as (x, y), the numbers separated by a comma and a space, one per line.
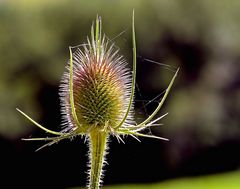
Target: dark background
(200, 37)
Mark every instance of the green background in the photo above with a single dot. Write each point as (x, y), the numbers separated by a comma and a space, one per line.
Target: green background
(200, 37)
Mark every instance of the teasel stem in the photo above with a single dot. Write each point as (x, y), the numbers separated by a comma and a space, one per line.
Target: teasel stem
(98, 145)
(98, 136)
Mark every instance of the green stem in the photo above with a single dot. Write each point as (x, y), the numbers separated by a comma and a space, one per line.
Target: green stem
(98, 144)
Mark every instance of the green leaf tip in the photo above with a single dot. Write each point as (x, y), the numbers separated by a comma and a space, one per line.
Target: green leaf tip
(38, 125)
(162, 101)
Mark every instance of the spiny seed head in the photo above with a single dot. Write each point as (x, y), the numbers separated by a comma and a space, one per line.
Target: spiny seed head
(101, 86)
(97, 92)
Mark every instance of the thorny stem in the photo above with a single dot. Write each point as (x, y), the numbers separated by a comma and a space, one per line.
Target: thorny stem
(97, 137)
(98, 144)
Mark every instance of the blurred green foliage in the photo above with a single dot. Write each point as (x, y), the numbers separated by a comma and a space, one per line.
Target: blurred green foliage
(221, 181)
(202, 37)
(35, 35)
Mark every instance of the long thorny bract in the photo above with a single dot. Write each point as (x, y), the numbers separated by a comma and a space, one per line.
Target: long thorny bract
(133, 73)
(101, 63)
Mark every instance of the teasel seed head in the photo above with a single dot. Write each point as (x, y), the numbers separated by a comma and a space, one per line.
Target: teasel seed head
(101, 84)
